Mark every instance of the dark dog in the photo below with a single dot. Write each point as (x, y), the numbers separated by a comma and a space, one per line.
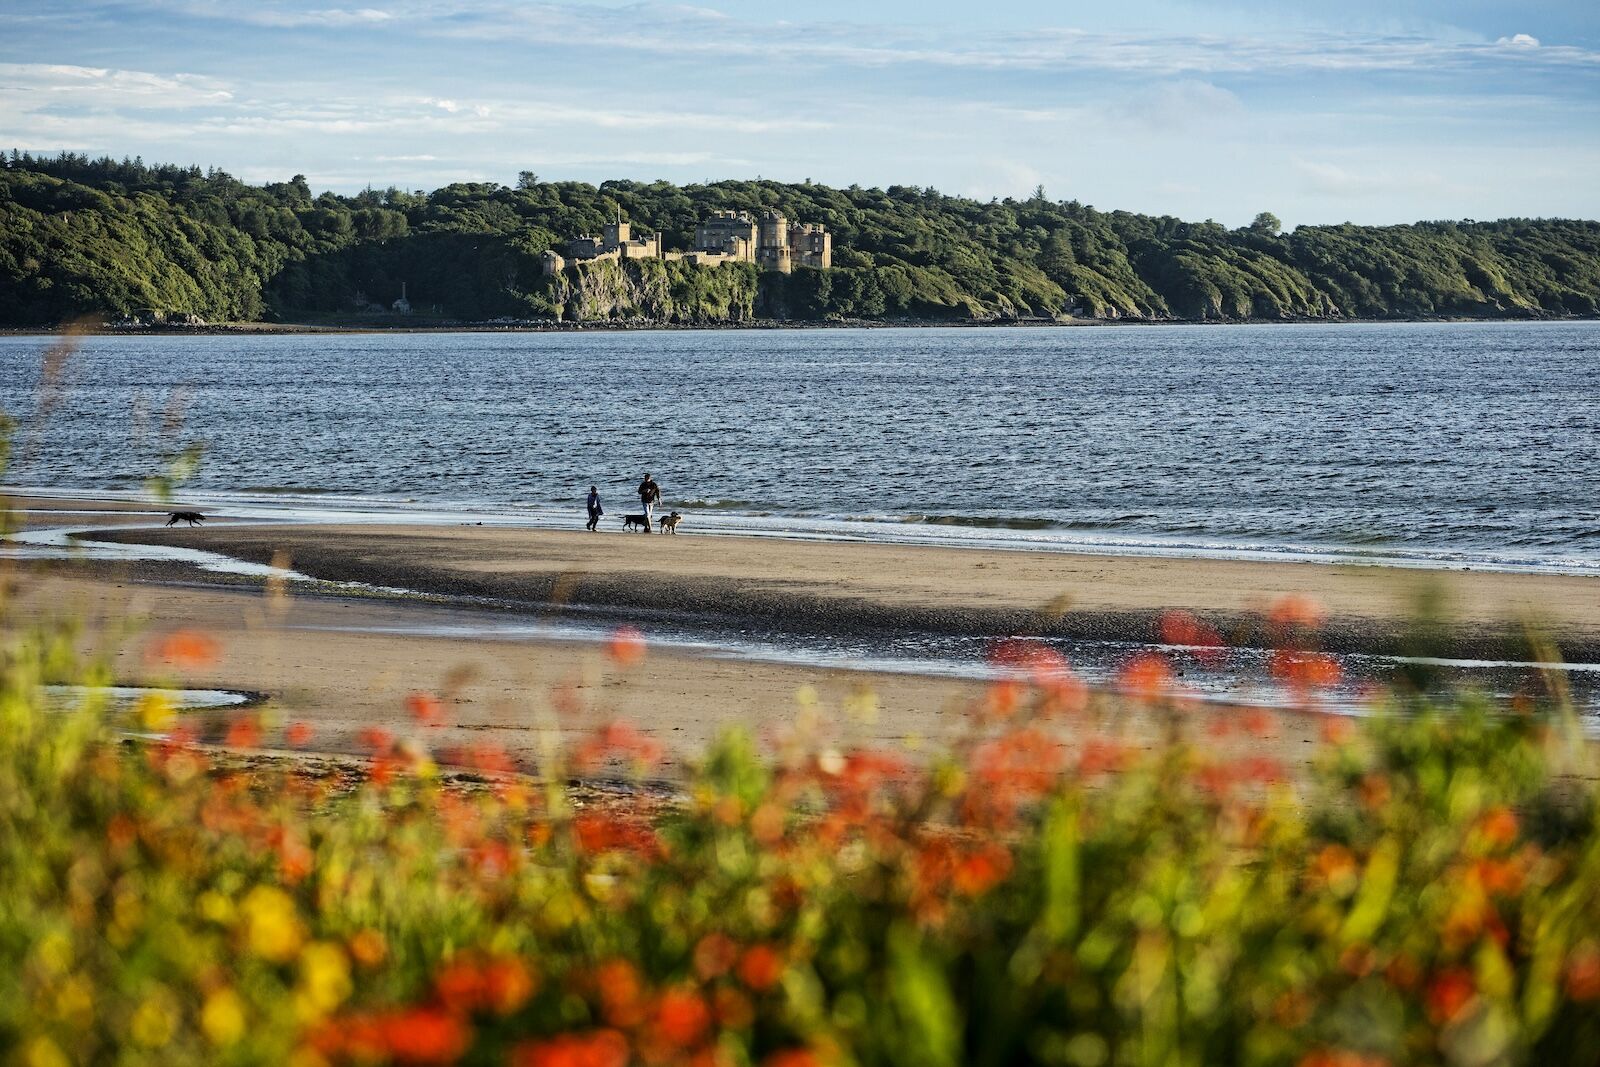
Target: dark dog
(670, 523)
(641, 521)
(193, 518)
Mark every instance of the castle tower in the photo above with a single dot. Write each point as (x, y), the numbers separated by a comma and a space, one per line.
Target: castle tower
(617, 234)
(772, 243)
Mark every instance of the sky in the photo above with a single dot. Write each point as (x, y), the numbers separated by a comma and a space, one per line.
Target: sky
(1370, 111)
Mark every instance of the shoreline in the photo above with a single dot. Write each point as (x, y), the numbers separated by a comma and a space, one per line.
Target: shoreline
(519, 617)
(868, 589)
(267, 329)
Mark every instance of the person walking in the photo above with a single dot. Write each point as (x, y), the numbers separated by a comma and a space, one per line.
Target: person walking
(595, 510)
(649, 493)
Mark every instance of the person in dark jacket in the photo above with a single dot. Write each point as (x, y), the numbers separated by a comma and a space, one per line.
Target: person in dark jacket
(595, 510)
(649, 493)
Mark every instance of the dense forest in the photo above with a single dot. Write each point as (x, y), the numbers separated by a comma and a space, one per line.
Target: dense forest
(100, 236)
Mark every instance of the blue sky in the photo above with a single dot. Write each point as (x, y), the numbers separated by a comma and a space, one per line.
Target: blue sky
(1365, 110)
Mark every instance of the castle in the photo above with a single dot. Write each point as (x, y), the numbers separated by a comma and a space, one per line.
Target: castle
(771, 242)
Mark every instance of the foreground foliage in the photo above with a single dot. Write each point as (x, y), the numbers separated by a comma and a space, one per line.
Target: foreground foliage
(1429, 895)
(79, 235)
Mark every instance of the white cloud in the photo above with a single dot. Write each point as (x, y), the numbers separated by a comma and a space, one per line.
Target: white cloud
(1521, 40)
(29, 86)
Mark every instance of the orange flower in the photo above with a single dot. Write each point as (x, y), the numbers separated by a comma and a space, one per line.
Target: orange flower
(1449, 992)
(1498, 827)
(368, 948)
(417, 1035)
(1001, 699)
(1296, 610)
(1583, 972)
(376, 739)
(761, 967)
(714, 956)
(682, 1017)
(1334, 863)
(298, 734)
(621, 993)
(981, 870)
(1304, 670)
(1027, 655)
(243, 733)
(187, 648)
(425, 708)
(619, 739)
(1184, 629)
(1146, 676)
(599, 832)
(501, 985)
(599, 1048)
(1336, 729)
(626, 646)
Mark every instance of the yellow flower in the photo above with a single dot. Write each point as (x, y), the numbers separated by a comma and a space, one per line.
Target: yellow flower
(75, 1001)
(153, 1021)
(156, 712)
(42, 1052)
(324, 980)
(222, 1018)
(272, 924)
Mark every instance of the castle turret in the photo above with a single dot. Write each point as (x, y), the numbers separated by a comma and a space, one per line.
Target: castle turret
(772, 242)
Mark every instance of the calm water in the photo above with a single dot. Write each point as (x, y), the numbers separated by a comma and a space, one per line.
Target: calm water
(1472, 443)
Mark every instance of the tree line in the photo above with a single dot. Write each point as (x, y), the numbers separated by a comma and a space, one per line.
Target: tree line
(81, 235)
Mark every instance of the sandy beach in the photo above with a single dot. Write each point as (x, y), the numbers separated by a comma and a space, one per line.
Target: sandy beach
(834, 587)
(344, 662)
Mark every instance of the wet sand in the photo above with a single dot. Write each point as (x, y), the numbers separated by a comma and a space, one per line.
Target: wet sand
(771, 585)
(311, 662)
(321, 659)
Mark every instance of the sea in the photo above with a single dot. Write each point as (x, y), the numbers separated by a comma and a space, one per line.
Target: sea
(1437, 444)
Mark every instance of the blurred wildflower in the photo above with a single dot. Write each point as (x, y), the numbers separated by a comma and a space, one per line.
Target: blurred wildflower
(425, 708)
(186, 648)
(626, 646)
(1146, 676)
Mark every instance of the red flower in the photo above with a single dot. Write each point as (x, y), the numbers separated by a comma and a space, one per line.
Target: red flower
(1583, 973)
(425, 708)
(1296, 610)
(1449, 993)
(714, 956)
(417, 1035)
(682, 1017)
(298, 734)
(599, 1048)
(621, 993)
(187, 648)
(1498, 826)
(982, 869)
(761, 967)
(467, 984)
(1183, 629)
(1146, 676)
(599, 832)
(626, 646)
(376, 739)
(244, 732)
(1304, 670)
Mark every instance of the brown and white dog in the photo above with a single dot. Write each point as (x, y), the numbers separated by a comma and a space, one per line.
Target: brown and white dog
(670, 523)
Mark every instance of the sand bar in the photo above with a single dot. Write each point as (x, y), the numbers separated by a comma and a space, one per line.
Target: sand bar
(849, 587)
